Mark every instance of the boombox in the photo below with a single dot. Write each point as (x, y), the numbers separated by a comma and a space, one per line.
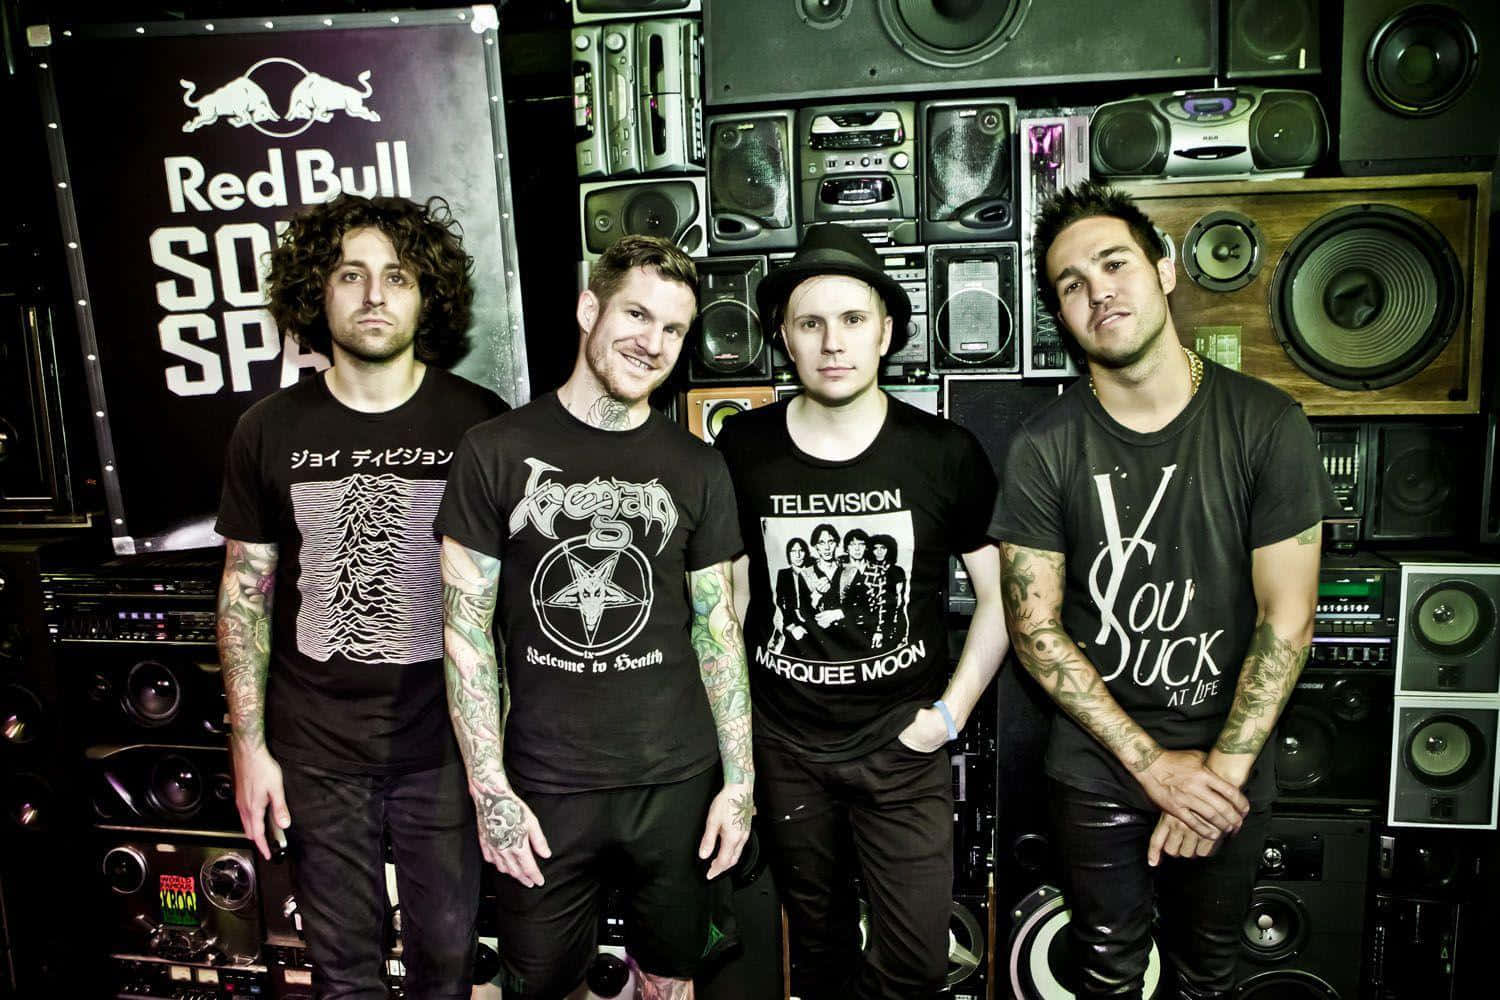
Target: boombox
(187, 902)
(146, 787)
(858, 166)
(636, 101)
(1225, 132)
(602, 10)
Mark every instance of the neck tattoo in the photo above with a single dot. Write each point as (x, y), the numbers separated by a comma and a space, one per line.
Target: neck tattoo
(1195, 374)
(609, 414)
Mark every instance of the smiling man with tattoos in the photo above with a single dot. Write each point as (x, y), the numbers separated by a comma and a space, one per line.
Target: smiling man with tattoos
(332, 575)
(601, 535)
(1160, 526)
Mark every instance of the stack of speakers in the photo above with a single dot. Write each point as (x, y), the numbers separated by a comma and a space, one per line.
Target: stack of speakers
(637, 110)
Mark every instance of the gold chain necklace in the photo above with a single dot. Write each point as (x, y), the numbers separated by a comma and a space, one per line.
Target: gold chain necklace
(1195, 374)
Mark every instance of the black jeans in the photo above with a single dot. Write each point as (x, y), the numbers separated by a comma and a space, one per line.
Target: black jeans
(1110, 889)
(338, 868)
(886, 816)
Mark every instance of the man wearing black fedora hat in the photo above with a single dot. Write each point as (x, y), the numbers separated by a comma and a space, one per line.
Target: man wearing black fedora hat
(851, 717)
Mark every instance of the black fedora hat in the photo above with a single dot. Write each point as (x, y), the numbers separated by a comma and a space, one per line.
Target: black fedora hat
(830, 248)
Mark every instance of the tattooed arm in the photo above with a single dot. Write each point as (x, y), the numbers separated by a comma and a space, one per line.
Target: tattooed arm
(509, 834)
(721, 663)
(984, 647)
(1175, 780)
(244, 628)
(1285, 578)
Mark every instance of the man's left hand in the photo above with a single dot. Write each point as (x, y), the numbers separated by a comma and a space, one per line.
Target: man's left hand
(925, 733)
(728, 825)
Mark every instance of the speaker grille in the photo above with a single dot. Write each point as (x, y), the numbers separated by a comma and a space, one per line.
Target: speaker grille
(969, 161)
(1366, 296)
(1273, 36)
(749, 170)
(1287, 130)
(1128, 140)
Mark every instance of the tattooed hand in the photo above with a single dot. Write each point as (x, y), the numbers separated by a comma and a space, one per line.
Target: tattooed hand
(509, 835)
(729, 825)
(1180, 783)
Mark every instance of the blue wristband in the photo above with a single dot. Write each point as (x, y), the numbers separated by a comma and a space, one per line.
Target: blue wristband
(942, 709)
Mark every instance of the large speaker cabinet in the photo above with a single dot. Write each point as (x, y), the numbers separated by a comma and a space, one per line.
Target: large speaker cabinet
(1418, 86)
(1356, 296)
(797, 49)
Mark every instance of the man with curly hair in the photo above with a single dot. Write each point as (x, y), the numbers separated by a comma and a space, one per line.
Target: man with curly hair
(330, 490)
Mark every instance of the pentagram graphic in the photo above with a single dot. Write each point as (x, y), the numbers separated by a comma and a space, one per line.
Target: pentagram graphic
(591, 601)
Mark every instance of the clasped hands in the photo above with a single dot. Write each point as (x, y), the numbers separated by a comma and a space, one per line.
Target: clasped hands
(1199, 807)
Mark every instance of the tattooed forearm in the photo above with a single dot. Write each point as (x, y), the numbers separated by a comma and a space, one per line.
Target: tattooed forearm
(721, 663)
(1267, 678)
(1032, 585)
(1311, 535)
(471, 582)
(608, 413)
(244, 629)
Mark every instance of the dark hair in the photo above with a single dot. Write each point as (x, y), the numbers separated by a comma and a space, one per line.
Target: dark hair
(428, 240)
(1086, 200)
(822, 528)
(627, 253)
(794, 542)
(890, 548)
(857, 535)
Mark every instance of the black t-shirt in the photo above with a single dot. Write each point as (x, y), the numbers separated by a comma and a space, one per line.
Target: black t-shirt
(356, 676)
(848, 568)
(595, 531)
(1157, 530)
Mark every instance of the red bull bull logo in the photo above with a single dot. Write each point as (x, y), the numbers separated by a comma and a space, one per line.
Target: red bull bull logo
(247, 99)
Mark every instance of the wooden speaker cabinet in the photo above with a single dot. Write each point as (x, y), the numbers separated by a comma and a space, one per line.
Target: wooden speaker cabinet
(1358, 296)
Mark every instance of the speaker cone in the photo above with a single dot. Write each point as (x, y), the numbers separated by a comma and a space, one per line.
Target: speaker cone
(1222, 252)
(174, 786)
(823, 14)
(28, 804)
(152, 693)
(1284, 984)
(1366, 296)
(1453, 618)
(651, 213)
(730, 339)
(1422, 60)
(952, 32)
(1304, 749)
(719, 411)
(1444, 750)
(1276, 926)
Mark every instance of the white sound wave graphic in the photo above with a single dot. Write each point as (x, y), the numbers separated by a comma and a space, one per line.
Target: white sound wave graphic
(370, 584)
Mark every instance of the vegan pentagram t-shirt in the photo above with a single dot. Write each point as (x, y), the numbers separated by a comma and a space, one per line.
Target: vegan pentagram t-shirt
(595, 531)
(1157, 531)
(848, 568)
(356, 676)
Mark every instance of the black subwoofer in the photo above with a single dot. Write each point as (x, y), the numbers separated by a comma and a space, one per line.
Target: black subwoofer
(1367, 296)
(1418, 86)
(670, 209)
(1271, 38)
(727, 342)
(1333, 739)
(750, 166)
(1300, 936)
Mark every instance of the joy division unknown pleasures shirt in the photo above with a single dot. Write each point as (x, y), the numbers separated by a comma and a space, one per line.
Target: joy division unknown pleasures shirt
(848, 568)
(595, 531)
(1157, 530)
(356, 675)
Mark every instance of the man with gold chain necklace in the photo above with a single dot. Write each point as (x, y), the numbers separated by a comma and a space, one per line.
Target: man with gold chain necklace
(1160, 527)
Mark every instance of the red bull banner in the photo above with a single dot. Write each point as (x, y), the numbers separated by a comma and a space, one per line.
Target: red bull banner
(179, 153)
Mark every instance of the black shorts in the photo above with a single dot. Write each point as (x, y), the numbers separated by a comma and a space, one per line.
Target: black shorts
(641, 840)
